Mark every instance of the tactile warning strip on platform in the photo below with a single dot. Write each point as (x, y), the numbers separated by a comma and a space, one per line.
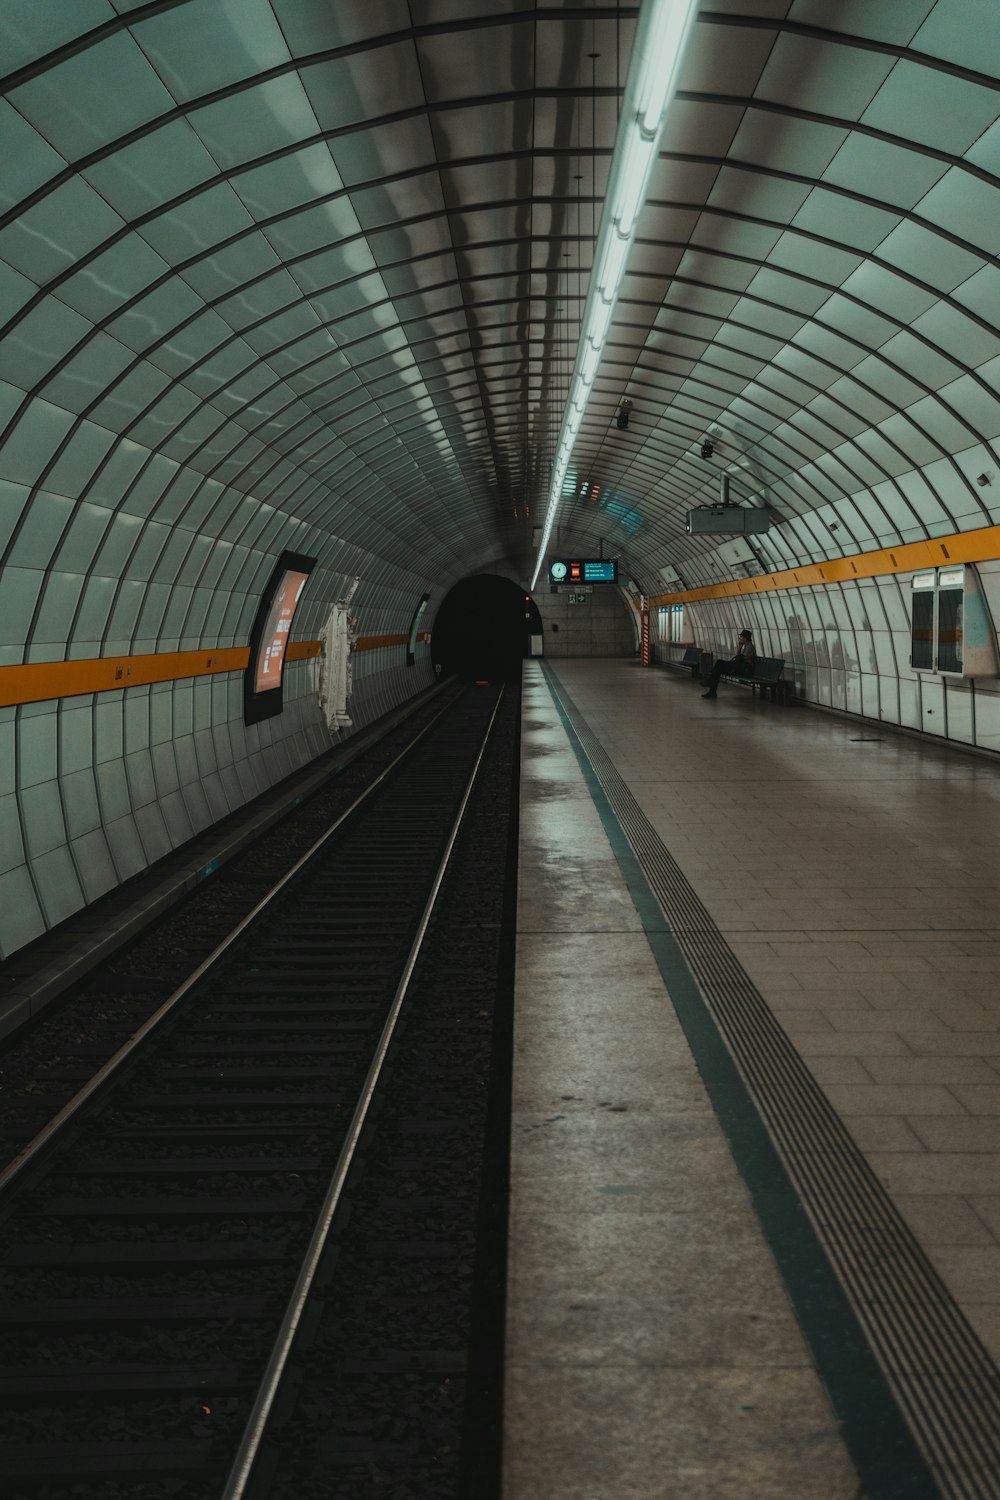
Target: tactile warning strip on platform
(942, 1377)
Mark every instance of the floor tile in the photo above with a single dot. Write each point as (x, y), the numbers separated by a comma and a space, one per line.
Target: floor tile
(827, 891)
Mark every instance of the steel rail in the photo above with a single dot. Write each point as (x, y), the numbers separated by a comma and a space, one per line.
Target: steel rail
(240, 1473)
(48, 1132)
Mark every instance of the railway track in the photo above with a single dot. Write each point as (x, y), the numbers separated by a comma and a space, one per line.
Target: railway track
(158, 1248)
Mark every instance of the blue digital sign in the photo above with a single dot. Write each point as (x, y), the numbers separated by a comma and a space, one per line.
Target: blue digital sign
(583, 570)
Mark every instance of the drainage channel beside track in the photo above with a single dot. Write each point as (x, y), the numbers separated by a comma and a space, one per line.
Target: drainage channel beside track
(149, 1251)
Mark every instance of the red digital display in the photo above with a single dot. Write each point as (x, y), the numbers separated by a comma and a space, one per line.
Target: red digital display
(274, 639)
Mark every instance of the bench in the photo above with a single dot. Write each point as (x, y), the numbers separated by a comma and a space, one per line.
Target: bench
(766, 675)
(692, 659)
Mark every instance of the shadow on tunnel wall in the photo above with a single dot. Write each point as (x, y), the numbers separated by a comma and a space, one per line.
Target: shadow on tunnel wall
(483, 629)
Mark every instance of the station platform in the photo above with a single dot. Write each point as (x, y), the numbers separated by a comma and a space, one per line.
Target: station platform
(755, 1183)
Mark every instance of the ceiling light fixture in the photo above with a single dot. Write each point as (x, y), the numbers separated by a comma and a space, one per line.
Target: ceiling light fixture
(659, 43)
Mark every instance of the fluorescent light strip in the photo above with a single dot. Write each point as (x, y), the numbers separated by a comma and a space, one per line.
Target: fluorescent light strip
(659, 44)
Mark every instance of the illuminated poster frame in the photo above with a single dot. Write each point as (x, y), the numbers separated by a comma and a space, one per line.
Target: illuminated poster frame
(411, 644)
(272, 626)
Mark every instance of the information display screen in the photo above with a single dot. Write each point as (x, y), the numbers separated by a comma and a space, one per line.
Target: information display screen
(270, 636)
(583, 570)
(271, 651)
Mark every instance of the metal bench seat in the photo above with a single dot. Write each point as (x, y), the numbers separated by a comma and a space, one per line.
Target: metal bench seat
(768, 676)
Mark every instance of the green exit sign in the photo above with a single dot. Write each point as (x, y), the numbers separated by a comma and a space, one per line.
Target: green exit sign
(577, 598)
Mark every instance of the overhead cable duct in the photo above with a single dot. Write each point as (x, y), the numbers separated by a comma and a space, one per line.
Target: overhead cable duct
(652, 75)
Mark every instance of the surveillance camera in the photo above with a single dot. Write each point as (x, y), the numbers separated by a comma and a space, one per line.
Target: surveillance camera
(707, 448)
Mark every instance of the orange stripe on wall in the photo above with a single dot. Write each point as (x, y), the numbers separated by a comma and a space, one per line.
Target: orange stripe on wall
(35, 682)
(376, 642)
(981, 545)
(64, 679)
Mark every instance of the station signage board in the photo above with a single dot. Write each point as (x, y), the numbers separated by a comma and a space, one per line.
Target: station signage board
(576, 570)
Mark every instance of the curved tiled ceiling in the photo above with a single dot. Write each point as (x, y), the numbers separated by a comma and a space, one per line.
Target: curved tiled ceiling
(293, 274)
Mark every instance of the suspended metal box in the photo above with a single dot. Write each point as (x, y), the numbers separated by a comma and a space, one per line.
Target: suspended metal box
(727, 518)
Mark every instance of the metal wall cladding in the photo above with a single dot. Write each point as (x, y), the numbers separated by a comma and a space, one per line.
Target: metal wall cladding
(847, 646)
(93, 802)
(309, 279)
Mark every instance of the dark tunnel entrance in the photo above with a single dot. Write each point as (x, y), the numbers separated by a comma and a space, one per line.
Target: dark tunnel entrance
(483, 628)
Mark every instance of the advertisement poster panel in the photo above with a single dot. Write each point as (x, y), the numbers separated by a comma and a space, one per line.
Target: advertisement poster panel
(274, 640)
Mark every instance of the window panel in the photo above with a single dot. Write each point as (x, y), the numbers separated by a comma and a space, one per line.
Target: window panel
(950, 629)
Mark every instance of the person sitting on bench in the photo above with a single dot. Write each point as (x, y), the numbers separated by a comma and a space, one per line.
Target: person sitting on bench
(742, 664)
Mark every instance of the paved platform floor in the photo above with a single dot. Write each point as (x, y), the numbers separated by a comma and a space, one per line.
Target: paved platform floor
(653, 1348)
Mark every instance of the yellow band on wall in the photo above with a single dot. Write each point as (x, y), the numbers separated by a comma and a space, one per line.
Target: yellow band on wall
(35, 682)
(963, 546)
